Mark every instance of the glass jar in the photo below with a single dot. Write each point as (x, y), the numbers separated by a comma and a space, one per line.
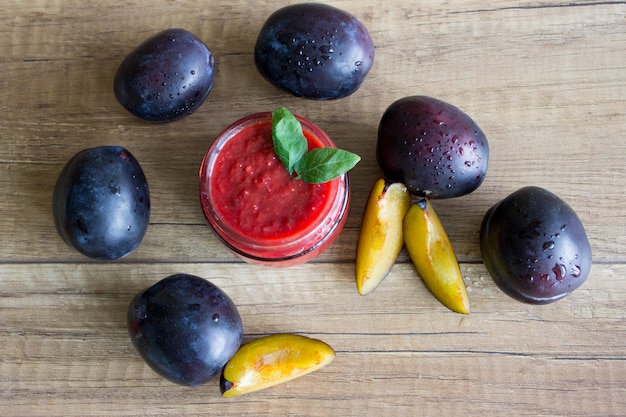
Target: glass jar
(259, 211)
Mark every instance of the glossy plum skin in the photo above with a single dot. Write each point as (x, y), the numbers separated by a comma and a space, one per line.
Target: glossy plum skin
(185, 328)
(166, 77)
(314, 51)
(101, 203)
(432, 147)
(535, 246)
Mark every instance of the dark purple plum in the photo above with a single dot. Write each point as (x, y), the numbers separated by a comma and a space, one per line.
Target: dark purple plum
(433, 147)
(166, 77)
(185, 328)
(314, 51)
(101, 203)
(535, 246)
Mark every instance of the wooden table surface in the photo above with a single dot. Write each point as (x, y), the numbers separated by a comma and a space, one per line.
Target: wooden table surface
(545, 80)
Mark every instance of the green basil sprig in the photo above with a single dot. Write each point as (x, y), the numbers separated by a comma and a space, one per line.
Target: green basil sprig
(315, 166)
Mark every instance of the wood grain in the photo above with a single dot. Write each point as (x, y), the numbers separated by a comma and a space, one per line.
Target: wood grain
(544, 80)
(65, 346)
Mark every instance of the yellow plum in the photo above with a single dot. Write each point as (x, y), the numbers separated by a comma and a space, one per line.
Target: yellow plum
(380, 238)
(272, 360)
(430, 250)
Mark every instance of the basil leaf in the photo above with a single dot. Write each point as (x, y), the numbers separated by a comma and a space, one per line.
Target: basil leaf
(324, 164)
(316, 166)
(289, 141)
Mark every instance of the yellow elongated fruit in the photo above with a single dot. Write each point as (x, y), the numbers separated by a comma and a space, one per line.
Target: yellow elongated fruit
(272, 360)
(430, 251)
(380, 238)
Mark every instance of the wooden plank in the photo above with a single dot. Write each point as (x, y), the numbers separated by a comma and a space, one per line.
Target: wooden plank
(544, 83)
(65, 347)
